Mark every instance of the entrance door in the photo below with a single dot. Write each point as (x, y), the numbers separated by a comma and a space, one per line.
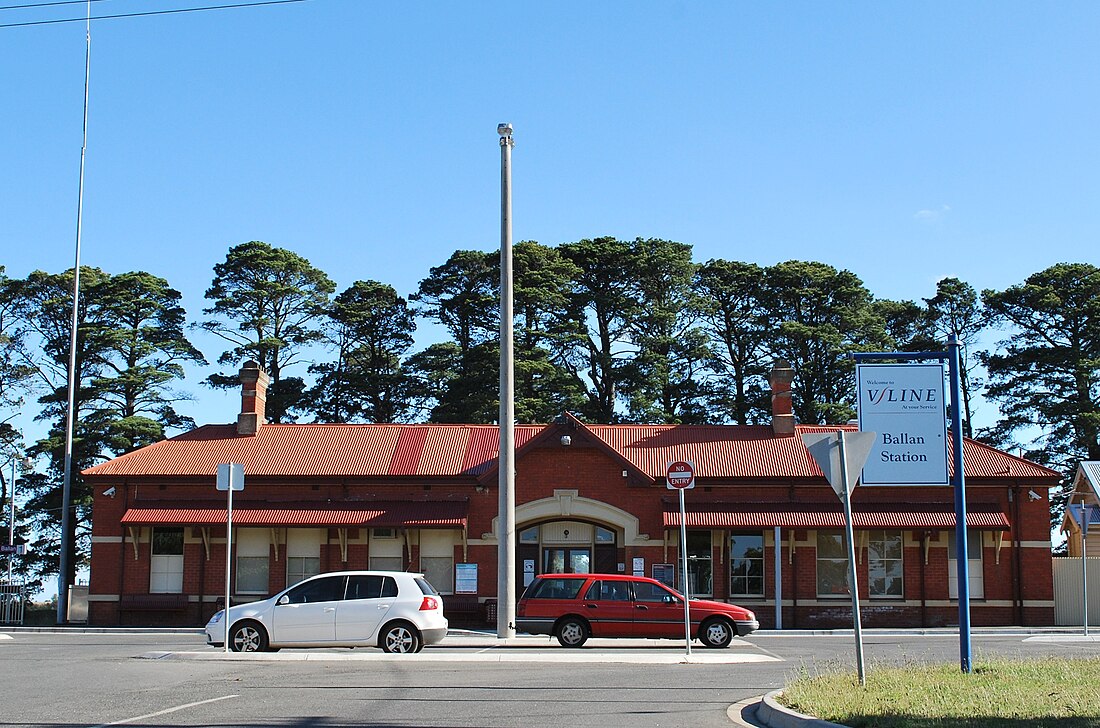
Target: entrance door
(567, 560)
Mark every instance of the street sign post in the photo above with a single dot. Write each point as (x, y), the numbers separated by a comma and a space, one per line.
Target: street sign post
(680, 475)
(230, 478)
(958, 476)
(840, 456)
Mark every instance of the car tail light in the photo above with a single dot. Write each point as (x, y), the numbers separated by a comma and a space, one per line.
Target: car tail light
(429, 604)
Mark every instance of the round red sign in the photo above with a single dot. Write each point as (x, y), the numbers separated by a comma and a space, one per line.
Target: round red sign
(681, 474)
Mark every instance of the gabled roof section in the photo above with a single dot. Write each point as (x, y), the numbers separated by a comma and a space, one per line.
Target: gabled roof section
(320, 451)
(1086, 482)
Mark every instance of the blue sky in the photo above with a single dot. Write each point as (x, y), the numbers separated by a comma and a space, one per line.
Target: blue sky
(904, 142)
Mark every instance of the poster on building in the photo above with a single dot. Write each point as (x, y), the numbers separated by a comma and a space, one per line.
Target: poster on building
(639, 566)
(465, 578)
(906, 405)
(528, 572)
(666, 574)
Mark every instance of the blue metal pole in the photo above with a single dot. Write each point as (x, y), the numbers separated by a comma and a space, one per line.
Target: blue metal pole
(959, 483)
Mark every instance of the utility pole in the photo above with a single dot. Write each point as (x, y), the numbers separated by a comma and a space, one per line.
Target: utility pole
(506, 476)
(67, 544)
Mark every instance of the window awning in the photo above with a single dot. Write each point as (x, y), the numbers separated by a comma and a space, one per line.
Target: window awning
(831, 515)
(396, 514)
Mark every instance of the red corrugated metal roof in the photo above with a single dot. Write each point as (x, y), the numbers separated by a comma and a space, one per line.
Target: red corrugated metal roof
(321, 450)
(384, 514)
(831, 515)
(730, 451)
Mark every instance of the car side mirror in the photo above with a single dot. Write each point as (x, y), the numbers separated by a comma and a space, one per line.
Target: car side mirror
(284, 599)
(669, 599)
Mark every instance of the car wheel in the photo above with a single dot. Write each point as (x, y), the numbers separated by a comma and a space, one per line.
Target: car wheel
(717, 633)
(572, 632)
(247, 637)
(400, 637)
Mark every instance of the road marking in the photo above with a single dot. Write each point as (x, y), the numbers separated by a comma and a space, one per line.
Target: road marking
(167, 710)
(486, 656)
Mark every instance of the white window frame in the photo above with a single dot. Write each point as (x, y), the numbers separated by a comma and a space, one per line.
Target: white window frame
(974, 565)
(843, 560)
(303, 546)
(732, 561)
(875, 563)
(253, 544)
(165, 570)
(437, 547)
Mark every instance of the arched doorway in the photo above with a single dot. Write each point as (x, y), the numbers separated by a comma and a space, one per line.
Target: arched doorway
(566, 547)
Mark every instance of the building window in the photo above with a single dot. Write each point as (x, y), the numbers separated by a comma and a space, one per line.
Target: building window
(166, 564)
(699, 556)
(253, 557)
(885, 576)
(383, 533)
(303, 554)
(832, 564)
(747, 565)
(437, 559)
(604, 535)
(529, 535)
(973, 565)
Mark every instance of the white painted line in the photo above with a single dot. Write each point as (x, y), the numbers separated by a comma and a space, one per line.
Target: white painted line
(1063, 638)
(5, 636)
(561, 656)
(167, 710)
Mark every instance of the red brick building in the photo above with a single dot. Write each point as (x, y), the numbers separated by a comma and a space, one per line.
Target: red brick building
(589, 498)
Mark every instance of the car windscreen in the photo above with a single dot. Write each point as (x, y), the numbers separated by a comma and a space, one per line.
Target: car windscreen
(552, 588)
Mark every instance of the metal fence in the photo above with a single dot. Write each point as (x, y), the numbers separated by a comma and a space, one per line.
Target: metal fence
(1068, 601)
(11, 603)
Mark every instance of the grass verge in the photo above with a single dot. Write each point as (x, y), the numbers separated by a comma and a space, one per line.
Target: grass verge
(1041, 693)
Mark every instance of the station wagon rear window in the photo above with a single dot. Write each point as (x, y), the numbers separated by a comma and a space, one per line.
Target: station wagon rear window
(555, 589)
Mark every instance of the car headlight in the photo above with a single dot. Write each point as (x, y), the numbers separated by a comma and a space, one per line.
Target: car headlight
(216, 618)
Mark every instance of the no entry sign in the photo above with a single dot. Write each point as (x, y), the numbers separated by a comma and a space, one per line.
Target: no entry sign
(680, 475)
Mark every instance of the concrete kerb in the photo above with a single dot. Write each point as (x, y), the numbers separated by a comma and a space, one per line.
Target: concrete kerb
(771, 714)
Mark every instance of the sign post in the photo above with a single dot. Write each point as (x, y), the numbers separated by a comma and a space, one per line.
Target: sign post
(913, 458)
(680, 475)
(841, 466)
(230, 478)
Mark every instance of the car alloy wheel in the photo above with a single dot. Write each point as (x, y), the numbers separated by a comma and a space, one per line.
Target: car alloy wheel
(401, 638)
(247, 637)
(572, 632)
(716, 633)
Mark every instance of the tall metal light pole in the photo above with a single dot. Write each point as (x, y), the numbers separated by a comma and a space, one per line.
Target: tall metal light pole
(506, 477)
(67, 482)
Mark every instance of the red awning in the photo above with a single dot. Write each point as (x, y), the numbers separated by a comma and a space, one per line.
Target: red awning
(399, 514)
(831, 515)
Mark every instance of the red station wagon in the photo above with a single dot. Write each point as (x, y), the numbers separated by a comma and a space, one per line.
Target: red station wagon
(574, 607)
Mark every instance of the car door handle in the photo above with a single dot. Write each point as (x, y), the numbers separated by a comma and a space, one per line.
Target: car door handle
(592, 606)
(330, 609)
(383, 606)
(641, 606)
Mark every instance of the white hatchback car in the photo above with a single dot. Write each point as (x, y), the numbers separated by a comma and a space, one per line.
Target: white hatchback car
(395, 610)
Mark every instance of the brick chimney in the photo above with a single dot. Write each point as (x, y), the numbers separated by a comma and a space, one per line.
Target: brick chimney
(782, 408)
(254, 383)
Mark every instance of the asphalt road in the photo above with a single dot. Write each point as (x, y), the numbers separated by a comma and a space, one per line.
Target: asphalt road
(155, 680)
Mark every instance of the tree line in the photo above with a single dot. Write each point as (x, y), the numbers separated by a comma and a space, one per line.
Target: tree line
(613, 330)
